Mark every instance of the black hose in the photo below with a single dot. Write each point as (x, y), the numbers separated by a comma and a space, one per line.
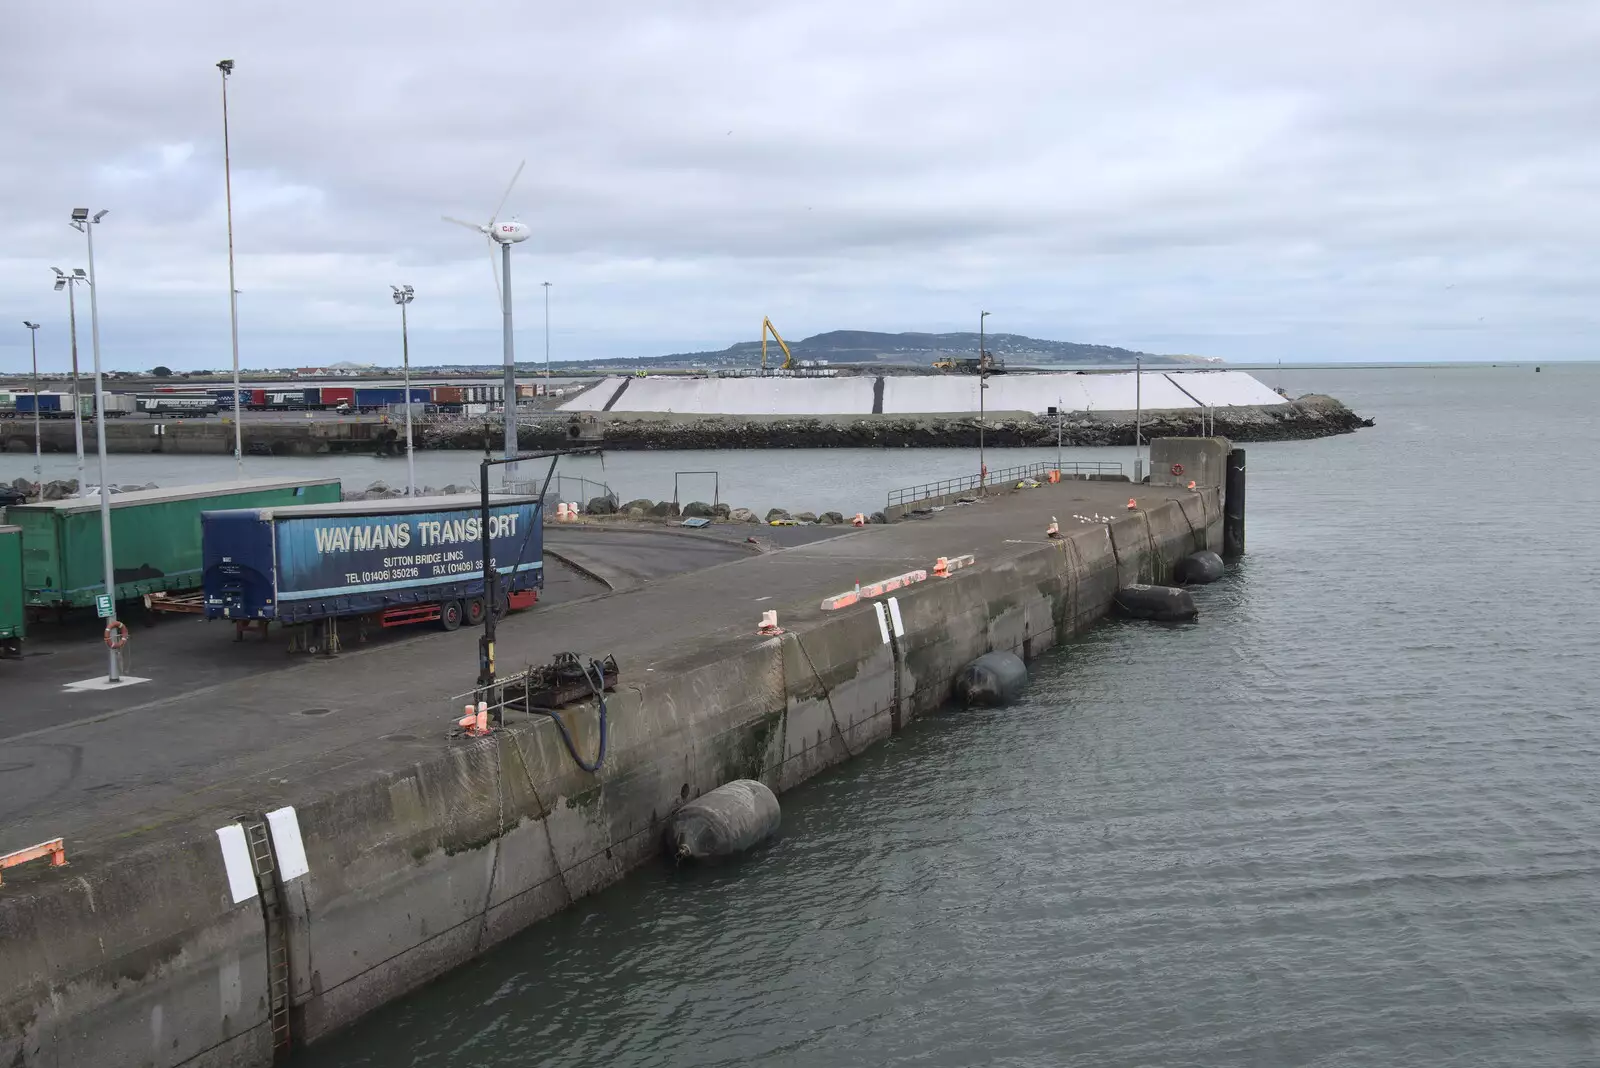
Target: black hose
(566, 736)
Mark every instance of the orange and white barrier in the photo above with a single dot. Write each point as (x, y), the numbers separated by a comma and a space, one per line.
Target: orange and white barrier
(573, 512)
(475, 721)
(874, 589)
(1133, 505)
(947, 564)
(1191, 484)
(54, 849)
(1055, 476)
(859, 521)
(1053, 530)
(561, 511)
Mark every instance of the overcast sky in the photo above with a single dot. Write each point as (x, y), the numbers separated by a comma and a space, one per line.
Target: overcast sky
(1283, 179)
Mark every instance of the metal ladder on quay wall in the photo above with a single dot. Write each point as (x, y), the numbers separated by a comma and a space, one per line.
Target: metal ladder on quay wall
(265, 864)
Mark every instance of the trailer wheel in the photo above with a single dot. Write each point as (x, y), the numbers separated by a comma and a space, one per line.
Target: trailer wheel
(474, 611)
(450, 615)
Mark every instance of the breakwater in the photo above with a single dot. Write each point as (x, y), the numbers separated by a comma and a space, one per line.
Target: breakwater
(1307, 417)
(421, 852)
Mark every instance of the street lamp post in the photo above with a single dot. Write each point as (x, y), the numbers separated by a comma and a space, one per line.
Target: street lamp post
(38, 448)
(68, 282)
(547, 336)
(403, 295)
(983, 384)
(226, 67)
(82, 221)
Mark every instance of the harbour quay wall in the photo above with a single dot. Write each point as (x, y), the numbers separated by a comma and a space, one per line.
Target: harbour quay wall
(141, 957)
(276, 436)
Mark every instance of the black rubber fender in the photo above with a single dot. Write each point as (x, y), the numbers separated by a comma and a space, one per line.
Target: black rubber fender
(992, 680)
(1164, 604)
(725, 822)
(1199, 568)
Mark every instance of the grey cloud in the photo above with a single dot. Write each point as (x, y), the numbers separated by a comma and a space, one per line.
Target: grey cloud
(1251, 180)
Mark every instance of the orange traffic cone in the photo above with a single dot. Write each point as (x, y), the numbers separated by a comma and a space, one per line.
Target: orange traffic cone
(1053, 530)
(1191, 483)
(941, 567)
(769, 623)
(859, 521)
(1132, 504)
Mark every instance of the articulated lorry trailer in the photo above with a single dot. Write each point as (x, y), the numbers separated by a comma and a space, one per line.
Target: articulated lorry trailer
(13, 623)
(384, 562)
(155, 537)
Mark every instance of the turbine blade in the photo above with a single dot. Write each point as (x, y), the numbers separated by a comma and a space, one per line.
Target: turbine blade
(494, 269)
(459, 222)
(509, 188)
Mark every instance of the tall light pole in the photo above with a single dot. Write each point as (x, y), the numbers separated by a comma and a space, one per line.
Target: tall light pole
(69, 282)
(82, 221)
(983, 384)
(547, 336)
(38, 449)
(403, 295)
(226, 67)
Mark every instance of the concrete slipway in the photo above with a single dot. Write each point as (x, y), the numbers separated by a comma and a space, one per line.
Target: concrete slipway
(927, 394)
(423, 851)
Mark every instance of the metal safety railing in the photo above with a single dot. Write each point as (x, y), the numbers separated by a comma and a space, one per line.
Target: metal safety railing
(945, 487)
(563, 488)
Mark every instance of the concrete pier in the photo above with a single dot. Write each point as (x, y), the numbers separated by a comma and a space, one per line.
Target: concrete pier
(422, 851)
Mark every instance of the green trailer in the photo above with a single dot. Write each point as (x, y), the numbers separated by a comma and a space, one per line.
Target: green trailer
(155, 537)
(13, 628)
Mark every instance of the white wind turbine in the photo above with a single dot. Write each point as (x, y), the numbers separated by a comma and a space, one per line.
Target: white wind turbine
(504, 234)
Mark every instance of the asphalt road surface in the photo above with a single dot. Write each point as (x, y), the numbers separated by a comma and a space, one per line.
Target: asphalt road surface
(182, 653)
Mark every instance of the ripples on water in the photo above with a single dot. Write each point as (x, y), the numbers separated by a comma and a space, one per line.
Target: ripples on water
(1349, 818)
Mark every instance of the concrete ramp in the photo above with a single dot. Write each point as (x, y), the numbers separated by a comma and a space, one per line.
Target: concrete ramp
(746, 396)
(926, 394)
(597, 398)
(1224, 389)
(1032, 393)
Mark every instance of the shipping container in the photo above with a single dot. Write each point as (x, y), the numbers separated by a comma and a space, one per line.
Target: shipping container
(13, 625)
(447, 395)
(334, 396)
(402, 561)
(117, 405)
(372, 399)
(155, 537)
(178, 405)
(48, 403)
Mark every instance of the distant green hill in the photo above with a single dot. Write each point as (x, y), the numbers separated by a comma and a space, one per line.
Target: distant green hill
(909, 349)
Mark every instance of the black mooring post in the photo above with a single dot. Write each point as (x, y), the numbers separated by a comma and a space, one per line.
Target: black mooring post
(1233, 507)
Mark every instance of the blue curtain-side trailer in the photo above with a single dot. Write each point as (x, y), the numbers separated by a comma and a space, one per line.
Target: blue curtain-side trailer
(385, 562)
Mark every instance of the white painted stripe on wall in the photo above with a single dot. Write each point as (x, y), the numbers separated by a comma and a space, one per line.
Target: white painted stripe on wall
(286, 844)
(236, 857)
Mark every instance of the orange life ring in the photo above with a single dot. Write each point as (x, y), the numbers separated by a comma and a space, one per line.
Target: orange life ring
(116, 634)
(1177, 469)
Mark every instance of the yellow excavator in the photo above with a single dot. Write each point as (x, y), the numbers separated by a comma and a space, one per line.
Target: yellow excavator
(788, 357)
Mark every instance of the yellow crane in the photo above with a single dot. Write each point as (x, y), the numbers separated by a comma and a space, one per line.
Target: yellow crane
(788, 357)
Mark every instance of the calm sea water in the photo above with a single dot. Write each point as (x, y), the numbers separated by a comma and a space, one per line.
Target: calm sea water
(1351, 817)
